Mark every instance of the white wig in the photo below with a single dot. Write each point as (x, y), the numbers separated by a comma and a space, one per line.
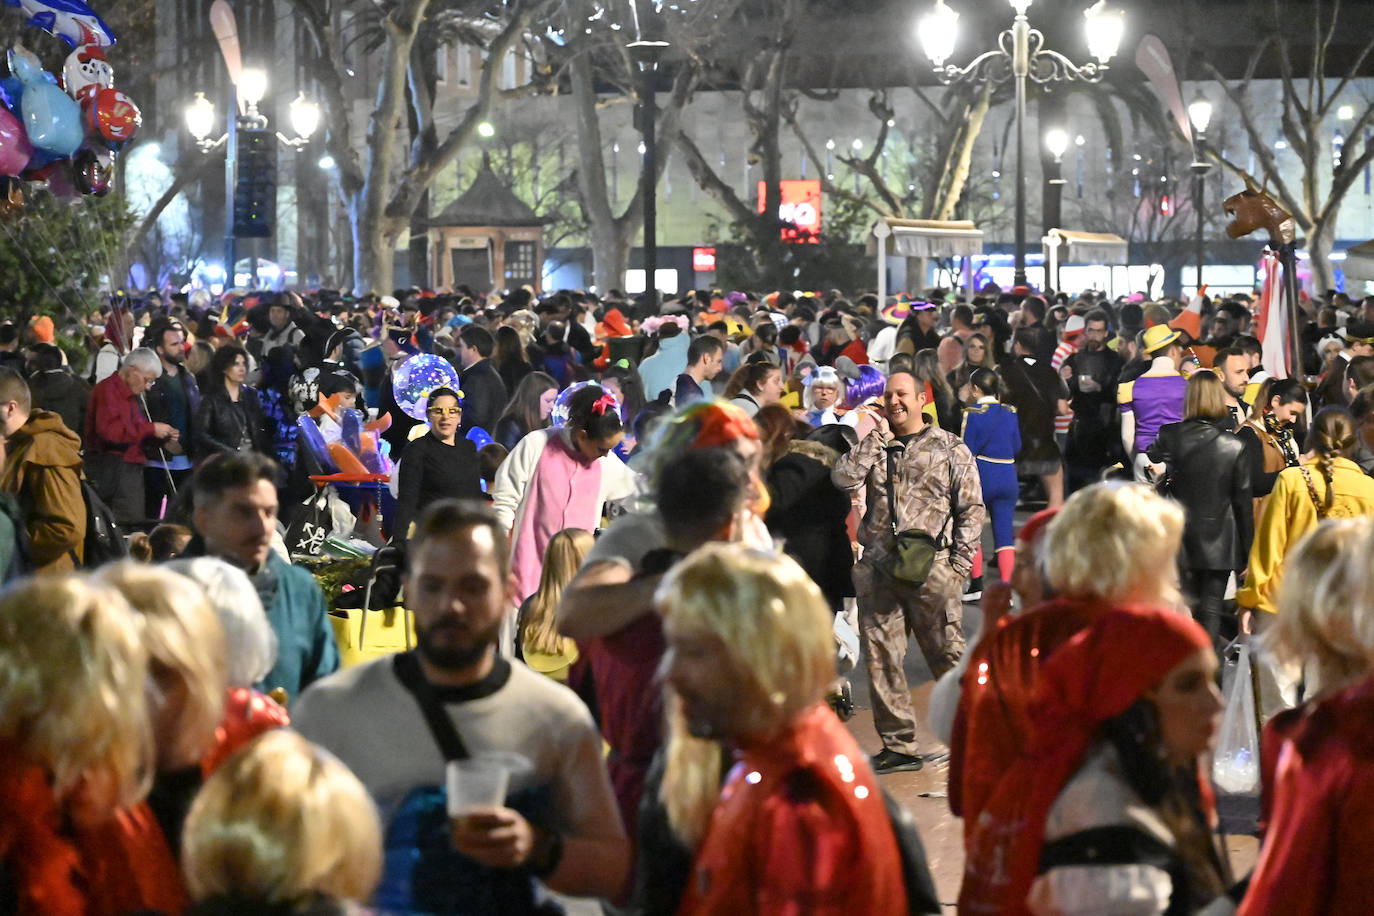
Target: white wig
(249, 639)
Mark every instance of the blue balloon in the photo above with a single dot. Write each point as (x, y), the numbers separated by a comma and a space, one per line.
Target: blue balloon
(417, 377)
(51, 118)
(479, 437)
(314, 440)
(558, 416)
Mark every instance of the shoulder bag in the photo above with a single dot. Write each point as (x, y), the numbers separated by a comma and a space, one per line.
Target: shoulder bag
(914, 551)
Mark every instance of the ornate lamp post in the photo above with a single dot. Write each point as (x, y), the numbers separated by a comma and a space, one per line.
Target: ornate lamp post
(1020, 55)
(1199, 115)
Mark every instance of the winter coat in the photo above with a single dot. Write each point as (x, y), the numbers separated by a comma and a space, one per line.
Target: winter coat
(43, 470)
(1209, 474)
(484, 396)
(220, 426)
(62, 393)
(659, 372)
(807, 513)
(1292, 513)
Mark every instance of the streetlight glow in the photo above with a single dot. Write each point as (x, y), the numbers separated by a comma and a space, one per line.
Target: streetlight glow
(485, 130)
(200, 117)
(1105, 28)
(326, 162)
(1057, 142)
(938, 31)
(305, 116)
(1200, 114)
(252, 86)
(1020, 6)
(857, 144)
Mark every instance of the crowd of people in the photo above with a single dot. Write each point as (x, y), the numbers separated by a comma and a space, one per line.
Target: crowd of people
(636, 538)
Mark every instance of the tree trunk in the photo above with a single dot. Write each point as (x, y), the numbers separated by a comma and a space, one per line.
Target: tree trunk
(1320, 240)
(959, 158)
(609, 258)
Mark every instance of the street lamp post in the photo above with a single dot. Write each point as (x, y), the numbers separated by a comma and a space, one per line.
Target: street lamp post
(1057, 142)
(1020, 55)
(200, 123)
(1199, 115)
(647, 53)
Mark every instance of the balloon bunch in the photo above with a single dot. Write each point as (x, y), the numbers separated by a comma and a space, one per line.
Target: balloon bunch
(62, 133)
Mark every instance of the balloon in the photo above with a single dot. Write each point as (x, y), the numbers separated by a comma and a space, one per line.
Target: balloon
(371, 456)
(314, 440)
(110, 115)
(91, 169)
(479, 437)
(70, 20)
(86, 67)
(417, 377)
(559, 415)
(348, 462)
(51, 119)
(15, 148)
(351, 429)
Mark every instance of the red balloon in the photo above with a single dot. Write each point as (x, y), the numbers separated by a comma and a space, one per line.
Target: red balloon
(111, 115)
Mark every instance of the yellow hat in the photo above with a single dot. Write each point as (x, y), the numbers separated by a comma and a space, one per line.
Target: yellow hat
(1159, 337)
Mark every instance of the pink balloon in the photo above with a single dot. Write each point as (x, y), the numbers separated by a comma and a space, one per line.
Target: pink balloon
(15, 148)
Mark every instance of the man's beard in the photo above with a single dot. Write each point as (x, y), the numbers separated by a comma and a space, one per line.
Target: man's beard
(1092, 346)
(455, 658)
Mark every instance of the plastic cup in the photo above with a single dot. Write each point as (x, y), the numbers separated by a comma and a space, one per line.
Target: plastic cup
(477, 782)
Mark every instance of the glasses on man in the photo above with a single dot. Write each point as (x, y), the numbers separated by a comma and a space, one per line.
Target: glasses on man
(445, 411)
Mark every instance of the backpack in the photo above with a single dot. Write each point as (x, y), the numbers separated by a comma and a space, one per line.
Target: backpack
(104, 540)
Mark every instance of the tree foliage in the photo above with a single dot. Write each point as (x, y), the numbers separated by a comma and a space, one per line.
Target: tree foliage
(57, 253)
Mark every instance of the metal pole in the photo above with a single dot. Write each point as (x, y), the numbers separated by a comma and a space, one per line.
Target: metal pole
(1020, 68)
(231, 158)
(649, 180)
(1198, 205)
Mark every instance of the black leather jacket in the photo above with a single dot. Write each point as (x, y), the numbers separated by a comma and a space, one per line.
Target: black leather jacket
(1208, 474)
(219, 426)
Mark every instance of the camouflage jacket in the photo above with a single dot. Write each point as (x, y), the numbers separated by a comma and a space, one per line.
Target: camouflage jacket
(925, 466)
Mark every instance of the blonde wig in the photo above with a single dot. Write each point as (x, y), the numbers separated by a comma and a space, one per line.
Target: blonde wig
(186, 656)
(1326, 604)
(1117, 542)
(280, 820)
(777, 630)
(250, 642)
(562, 557)
(72, 672)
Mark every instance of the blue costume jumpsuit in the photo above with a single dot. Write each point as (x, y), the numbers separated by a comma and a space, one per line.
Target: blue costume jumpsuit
(994, 437)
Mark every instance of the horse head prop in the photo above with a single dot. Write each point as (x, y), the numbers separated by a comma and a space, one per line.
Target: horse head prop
(1253, 209)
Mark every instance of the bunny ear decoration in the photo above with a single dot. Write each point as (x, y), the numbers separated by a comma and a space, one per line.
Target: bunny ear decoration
(846, 367)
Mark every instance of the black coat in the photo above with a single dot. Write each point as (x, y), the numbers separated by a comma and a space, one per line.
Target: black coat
(62, 393)
(808, 512)
(432, 471)
(220, 425)
(1209, 475)
(1034, 389)
(484, 396)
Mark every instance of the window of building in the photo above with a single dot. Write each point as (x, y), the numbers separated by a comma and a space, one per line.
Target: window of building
(520, 264)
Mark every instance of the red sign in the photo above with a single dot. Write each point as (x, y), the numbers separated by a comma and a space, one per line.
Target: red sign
(704, 260)
(800, 207)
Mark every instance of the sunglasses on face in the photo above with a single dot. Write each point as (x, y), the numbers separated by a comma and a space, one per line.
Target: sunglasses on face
(445, 411)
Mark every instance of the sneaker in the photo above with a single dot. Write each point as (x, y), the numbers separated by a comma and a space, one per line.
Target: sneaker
(974, 590)
(889, 761)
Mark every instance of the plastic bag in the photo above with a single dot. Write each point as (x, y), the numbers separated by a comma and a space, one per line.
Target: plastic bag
(1235, 769)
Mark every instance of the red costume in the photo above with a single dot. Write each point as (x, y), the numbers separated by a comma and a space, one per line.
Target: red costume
(1097, 675)
(1319, 846)
(800, 828)
(992, 726)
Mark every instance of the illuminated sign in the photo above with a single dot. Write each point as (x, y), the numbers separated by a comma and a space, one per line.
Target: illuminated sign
(704, 260)
(800, 207)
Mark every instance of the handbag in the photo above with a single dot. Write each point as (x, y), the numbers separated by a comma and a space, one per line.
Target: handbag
(914, 550)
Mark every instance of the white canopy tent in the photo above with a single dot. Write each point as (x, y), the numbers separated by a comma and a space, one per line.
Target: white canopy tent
(1359, 263)
(924, 238)
(1082, 248)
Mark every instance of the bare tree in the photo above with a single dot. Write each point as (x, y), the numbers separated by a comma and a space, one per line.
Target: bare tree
(384, 185)
(1310, 96)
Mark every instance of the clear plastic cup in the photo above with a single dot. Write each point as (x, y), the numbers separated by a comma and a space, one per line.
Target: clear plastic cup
(477, 782)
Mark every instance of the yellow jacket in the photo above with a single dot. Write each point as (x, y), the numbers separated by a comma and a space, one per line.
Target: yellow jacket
(1290, 514)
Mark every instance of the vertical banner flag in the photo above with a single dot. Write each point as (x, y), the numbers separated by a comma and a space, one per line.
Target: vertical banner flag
(1272, 320)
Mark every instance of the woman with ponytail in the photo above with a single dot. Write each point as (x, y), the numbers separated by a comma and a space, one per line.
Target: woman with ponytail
(561, 477)
(1268, 434)
(1330, 485)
